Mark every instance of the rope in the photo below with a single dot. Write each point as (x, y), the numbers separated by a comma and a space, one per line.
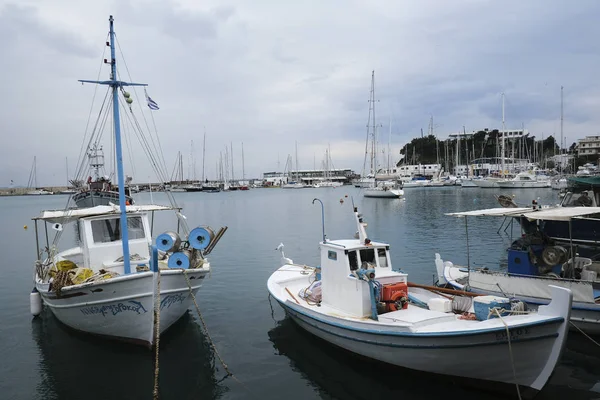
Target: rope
(512, 360)
(156, 335)
(584, 334)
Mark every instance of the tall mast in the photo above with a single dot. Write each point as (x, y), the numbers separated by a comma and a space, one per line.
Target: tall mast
(203, 154)
(374, 131)
(389, 164)
(116, 85)
(243, 166)
(231, 146)
(503, 132)
(561, 123)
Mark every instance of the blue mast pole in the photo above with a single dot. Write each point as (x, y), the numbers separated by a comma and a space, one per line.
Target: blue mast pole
(115, 85)
(118, 150)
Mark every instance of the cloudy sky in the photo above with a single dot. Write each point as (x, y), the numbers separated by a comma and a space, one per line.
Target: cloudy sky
(270, 73)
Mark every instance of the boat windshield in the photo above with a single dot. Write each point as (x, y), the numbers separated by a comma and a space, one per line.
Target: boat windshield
(109, 230)
(582, 199)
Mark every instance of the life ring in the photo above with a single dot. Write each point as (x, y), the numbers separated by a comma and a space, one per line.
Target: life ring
(398, 300)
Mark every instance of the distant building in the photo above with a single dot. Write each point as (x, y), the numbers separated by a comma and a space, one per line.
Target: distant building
(309, 176)
(590, 145)
(507, 133)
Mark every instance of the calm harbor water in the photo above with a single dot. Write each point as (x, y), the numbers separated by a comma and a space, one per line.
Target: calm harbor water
(270, 356)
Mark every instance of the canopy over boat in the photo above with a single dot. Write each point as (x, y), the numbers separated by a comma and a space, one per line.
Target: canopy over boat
(549, 214)
(64, 216)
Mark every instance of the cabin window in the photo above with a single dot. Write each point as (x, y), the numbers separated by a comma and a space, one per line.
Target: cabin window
(367, 256)
(332, 255)
(381, 254)
(353, 260)
(109, 230)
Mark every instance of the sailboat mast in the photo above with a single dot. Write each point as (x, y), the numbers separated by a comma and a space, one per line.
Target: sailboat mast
(561, 123)
(115, 84)
(231, 146)
(203, 154)
(374, 162)
(503, 133)
(243, 164)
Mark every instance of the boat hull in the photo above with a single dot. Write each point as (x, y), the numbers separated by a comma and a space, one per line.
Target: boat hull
(386, 194)
(123, 307)
(488, 356)
(523, 185)
(486, 183)
(92, 198)
(585, 315)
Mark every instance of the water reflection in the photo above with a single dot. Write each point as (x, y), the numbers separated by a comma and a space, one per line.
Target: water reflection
(74, 365)
(339, 374)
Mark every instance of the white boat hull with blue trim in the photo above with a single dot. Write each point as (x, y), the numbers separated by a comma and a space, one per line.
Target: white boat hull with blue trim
(585, 314)
(356, 301)
(123, 307)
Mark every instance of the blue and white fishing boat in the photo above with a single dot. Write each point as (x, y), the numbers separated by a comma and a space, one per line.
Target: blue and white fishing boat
(536, 260)
(355, 300)
(111, 283)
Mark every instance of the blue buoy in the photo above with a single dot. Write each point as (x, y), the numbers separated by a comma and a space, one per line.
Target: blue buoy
(179, 260)
(168, 241)
(201, 237)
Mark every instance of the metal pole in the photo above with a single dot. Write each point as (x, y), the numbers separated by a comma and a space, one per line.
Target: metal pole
(47, 241)
(118, 150)
(468, 255)
(37, 241)
(322, 217)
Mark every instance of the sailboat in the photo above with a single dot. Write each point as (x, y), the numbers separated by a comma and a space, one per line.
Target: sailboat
(297, 184)
(383, 189)
(116, 282)
(33, 190)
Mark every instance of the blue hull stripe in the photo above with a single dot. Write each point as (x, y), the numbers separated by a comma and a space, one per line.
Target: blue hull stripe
(426, 347)
(550, 321)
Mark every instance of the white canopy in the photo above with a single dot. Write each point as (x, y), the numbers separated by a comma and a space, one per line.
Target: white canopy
(493, 212)
(64, 216)
(547, 214)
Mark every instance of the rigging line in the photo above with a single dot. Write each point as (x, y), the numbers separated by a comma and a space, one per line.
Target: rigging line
(142, 139)
(160, 169)
(158, 148)
(81, 155)
(81, 161)
(128, 144)
(95, 137)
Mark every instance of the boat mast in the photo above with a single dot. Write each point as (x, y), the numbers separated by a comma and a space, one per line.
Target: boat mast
(116, 85)
(243, 165)
(503, 132)
(561, 124)
(203, 154)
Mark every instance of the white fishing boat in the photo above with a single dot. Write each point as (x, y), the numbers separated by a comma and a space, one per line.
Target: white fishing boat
(524, 180)
(534, 262)
(109, 282)
(355, 300)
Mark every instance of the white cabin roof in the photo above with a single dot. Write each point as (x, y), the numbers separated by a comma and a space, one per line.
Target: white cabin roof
(351, 244)
(548, 214)
(64, 216)
(493, 212)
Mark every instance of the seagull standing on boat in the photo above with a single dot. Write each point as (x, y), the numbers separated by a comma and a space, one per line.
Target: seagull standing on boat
(284, 259)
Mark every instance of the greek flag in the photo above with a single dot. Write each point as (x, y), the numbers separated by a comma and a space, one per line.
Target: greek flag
(151, 103)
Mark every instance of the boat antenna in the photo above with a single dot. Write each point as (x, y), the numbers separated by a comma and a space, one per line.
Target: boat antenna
(322, 217)
(117, 85)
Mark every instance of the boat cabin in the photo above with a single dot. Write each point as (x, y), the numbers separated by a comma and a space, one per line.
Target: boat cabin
(342, 289)
(99, 236)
